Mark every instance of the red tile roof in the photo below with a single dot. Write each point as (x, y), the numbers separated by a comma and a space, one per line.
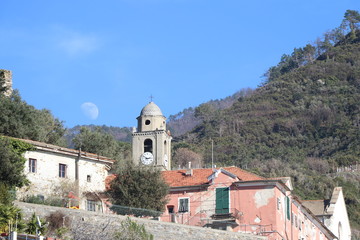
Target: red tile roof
(66, 151)
(108, 181)
(177, 178)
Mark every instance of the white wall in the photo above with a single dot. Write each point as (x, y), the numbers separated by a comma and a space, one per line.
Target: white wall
(46, 181)
(339, 216)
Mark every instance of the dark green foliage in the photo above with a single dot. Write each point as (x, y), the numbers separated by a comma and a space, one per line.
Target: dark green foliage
(121, 134)
(34, 226)
(189, 118)
(10, 216)
(352, 18)
(6, 196)
(98, 142)
(20, 120)
(50, 201)
(139, 187)
(12, 162)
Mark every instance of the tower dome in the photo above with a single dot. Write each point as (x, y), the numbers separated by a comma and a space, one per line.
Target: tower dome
(151, 109)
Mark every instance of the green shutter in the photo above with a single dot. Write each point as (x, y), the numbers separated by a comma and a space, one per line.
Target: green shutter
(288, 208)
(222, 200)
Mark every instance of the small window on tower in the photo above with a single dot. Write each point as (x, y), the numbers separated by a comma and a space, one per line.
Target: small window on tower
(147, 122)
(88, 178)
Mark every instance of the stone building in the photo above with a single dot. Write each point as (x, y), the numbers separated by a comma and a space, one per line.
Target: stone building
(151, 143)
(55, 171)
(6, 80)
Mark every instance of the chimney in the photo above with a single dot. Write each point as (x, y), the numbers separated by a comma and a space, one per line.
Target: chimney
(189, 172)
(6, 80)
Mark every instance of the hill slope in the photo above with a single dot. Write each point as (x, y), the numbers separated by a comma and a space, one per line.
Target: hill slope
(303, 123)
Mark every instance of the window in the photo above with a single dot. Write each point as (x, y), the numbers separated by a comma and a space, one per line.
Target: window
(91, 205)
(62, 170)
(147, 122)
(170, 209)
(32, 165)
(88, 178)
(296, 221)
(148, 145)
(287, 207)
(183, 205)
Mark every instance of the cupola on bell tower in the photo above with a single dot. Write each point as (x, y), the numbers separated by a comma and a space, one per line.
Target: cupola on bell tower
(151, 143)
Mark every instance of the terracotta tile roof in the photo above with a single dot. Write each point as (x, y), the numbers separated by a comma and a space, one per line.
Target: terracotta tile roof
(67, 151)
(108, 180)
(178, 178)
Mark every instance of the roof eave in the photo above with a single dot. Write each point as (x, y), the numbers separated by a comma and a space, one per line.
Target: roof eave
(186, 188)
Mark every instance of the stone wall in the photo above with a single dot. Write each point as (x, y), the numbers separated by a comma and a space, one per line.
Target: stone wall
(98, 223)
(6, 77)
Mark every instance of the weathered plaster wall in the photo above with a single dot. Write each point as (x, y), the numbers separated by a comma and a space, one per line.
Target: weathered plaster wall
(202, 203)
(160, 230)
(46, 178)
(257, 206)
(46, 181)
(97, 173)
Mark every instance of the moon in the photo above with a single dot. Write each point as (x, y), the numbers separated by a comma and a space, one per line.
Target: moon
(90, 110)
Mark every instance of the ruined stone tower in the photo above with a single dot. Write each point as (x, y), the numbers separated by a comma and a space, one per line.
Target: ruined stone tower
(6, 81)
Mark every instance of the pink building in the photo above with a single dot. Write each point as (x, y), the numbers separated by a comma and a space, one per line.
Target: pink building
(232, 199)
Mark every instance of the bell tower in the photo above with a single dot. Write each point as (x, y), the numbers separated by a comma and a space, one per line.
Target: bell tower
(151, 143)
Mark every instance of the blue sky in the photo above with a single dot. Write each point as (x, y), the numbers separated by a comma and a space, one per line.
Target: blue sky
(116, 53)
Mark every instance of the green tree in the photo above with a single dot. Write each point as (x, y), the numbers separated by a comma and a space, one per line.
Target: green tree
(98, 142)
(21, 120)
(139, 187)
(205, 111)
(12, 162)
(35, 225)
(10, 215)
(352, 17)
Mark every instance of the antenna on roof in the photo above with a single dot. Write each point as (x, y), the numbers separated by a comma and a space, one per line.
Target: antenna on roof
(212, 154)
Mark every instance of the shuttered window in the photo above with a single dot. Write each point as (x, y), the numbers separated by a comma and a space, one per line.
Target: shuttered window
(288, 208)
(183, 204)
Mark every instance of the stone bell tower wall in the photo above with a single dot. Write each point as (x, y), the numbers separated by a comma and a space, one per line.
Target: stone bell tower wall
(6, 80)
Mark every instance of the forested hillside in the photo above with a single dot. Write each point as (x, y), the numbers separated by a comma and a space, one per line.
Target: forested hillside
(119, 133)
(303, 122)
(189, 118)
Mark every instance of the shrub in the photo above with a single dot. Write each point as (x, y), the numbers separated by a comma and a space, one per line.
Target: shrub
(131, 230)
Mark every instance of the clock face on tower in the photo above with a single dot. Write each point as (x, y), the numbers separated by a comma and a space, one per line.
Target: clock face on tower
(147, 158)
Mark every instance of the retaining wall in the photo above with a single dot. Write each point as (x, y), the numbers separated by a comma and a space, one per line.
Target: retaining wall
(104, 225)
